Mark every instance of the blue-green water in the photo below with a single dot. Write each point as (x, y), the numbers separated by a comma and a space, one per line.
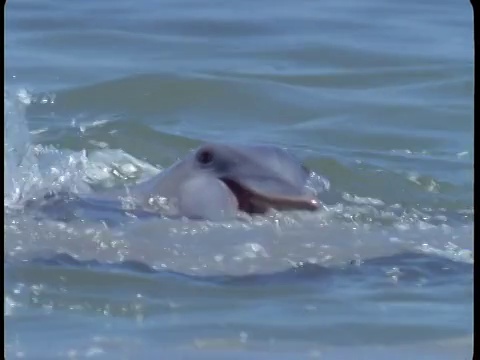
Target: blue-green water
(375, 96)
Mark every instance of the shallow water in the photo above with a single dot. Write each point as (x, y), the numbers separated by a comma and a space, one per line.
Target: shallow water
(376, 97)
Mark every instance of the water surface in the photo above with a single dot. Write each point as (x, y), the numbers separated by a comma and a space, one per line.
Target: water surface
(376, 97)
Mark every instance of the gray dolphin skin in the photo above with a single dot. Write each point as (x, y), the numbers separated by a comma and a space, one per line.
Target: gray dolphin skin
(214, 182)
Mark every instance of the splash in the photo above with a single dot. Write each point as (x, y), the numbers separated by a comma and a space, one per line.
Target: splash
(32, 168)
(20, 166)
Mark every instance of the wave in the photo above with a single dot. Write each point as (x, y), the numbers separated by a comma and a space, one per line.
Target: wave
(408, 267)
(362, 216)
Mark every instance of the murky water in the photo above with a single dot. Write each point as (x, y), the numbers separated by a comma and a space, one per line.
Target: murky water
(375, 97)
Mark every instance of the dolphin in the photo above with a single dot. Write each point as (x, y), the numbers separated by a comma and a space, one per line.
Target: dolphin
(214, 182)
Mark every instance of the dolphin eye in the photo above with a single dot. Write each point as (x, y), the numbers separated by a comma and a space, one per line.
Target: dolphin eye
(205, 157)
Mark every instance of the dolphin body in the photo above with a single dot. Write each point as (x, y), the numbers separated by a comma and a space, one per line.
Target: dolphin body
(214, 182)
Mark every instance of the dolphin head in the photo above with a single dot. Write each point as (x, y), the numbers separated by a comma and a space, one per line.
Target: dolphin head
(214, 182)
(220, 179)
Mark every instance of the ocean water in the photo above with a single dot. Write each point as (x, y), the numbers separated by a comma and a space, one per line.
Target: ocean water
(375, 96)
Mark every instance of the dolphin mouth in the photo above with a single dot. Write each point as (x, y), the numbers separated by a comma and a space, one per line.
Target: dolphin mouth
(255, 202)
